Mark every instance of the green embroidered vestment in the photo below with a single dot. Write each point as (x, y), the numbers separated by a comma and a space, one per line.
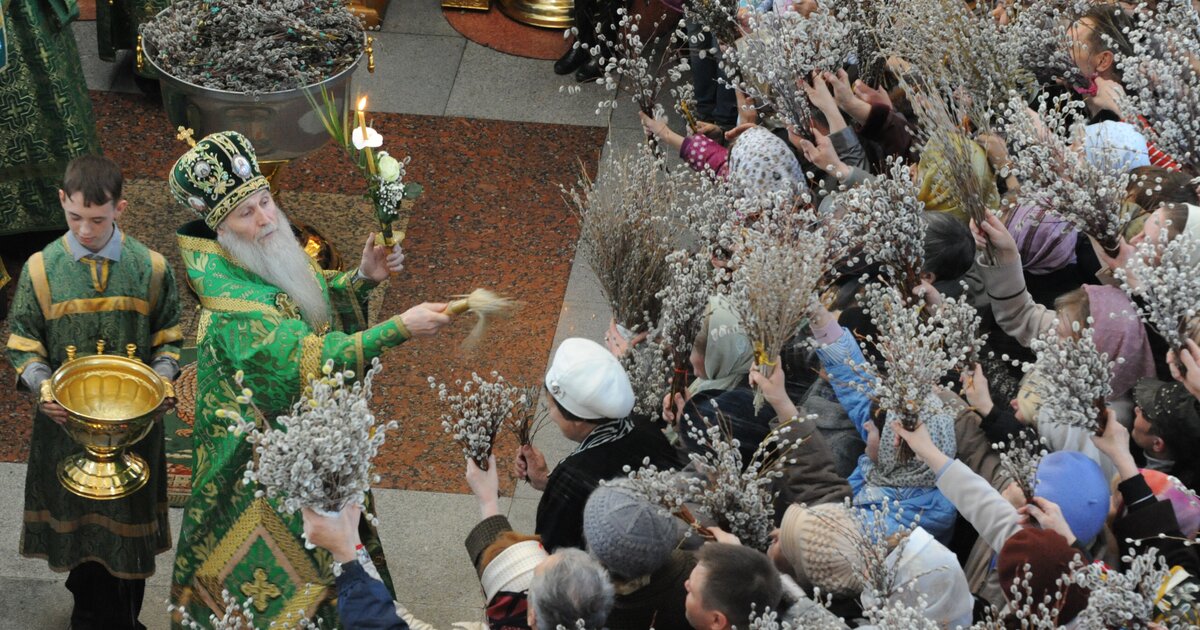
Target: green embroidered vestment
(232, 540)
(60, 302)
(46, 116)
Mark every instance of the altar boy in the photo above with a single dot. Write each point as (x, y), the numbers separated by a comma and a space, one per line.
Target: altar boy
(94, 283)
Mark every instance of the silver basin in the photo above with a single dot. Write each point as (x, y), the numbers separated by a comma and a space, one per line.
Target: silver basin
(281, 125)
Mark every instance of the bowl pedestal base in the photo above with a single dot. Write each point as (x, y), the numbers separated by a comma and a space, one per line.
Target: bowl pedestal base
(103, 477)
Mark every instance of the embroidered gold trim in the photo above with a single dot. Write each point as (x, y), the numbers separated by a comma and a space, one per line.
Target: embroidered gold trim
(197, 245)
(231, 201)
(310, 357)
(158, 268)
(202, 324)
(166, 335)
(259, 519)
(202, 245)
(65, 527)
(20, 369)
(173, 355)
(98, 305)
(237, 305)
(100, 271)
(41, 286)
(404, 332)
(25, 344)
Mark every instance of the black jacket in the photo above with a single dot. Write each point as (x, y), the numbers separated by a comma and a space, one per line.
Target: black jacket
(659, 604)
(560, 511)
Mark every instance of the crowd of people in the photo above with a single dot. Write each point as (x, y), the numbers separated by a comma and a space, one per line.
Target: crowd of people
(993, 508)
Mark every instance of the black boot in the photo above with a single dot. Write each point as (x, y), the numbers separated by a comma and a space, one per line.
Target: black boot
(589, 71)
(569, 62)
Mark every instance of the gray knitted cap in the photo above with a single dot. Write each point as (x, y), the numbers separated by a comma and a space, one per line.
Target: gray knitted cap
(630, 536)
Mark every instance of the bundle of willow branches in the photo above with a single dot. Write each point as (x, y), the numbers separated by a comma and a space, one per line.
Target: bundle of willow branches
(252, 46)
(774, 288)
(1165, 277)
(1088, 191)
(738, 495)
(884, 222)
(1162, 80)
(684, 308)
(624, 236)
(476, 414)
(528, 416)
(916, 350)
(1020, 458)
(782, 50)
(1076, 378)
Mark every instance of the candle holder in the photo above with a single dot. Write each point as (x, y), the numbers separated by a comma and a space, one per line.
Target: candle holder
(392, 197)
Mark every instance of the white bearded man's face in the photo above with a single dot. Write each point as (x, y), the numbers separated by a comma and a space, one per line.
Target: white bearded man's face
(254, 219)
(259, 236)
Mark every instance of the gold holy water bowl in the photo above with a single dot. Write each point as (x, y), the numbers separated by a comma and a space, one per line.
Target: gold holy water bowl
(111, 403)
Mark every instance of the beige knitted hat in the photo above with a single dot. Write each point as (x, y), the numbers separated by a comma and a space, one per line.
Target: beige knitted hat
(820, 544)
(512, 570)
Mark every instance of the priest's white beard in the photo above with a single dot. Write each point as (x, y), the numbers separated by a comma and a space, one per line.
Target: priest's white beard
(280, 260)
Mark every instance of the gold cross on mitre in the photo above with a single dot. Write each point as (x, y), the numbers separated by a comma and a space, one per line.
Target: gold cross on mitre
(185, 135)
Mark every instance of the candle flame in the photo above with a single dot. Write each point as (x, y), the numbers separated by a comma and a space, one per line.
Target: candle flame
(362, 103)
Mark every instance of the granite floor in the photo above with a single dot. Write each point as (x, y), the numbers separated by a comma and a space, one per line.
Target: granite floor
(425, 69)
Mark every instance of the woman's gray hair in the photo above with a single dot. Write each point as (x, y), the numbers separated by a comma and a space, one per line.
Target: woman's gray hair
(575, 588)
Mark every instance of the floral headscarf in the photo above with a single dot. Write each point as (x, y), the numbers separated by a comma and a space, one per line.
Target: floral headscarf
(890, 471)
(760, 163)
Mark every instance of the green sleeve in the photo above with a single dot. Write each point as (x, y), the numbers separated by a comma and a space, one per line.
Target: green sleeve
(279, 355)
(27, 326)
(345, 282)
(166, 333)
(348, 297)
(355, 351)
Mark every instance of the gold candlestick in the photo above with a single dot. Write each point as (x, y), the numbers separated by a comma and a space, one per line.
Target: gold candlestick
(131, 350)
(100, 347)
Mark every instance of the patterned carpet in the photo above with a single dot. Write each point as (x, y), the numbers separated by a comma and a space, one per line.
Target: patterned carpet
(492, 216)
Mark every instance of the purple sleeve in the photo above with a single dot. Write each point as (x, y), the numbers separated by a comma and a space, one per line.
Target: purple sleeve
(702, 154)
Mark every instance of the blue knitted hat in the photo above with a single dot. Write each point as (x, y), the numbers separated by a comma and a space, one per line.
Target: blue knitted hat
(1076, 483)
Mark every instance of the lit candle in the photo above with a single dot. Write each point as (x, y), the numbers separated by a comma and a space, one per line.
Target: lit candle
(362, 126)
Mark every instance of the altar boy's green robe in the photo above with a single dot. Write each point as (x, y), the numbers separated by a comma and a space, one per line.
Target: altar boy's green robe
(62, 302)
